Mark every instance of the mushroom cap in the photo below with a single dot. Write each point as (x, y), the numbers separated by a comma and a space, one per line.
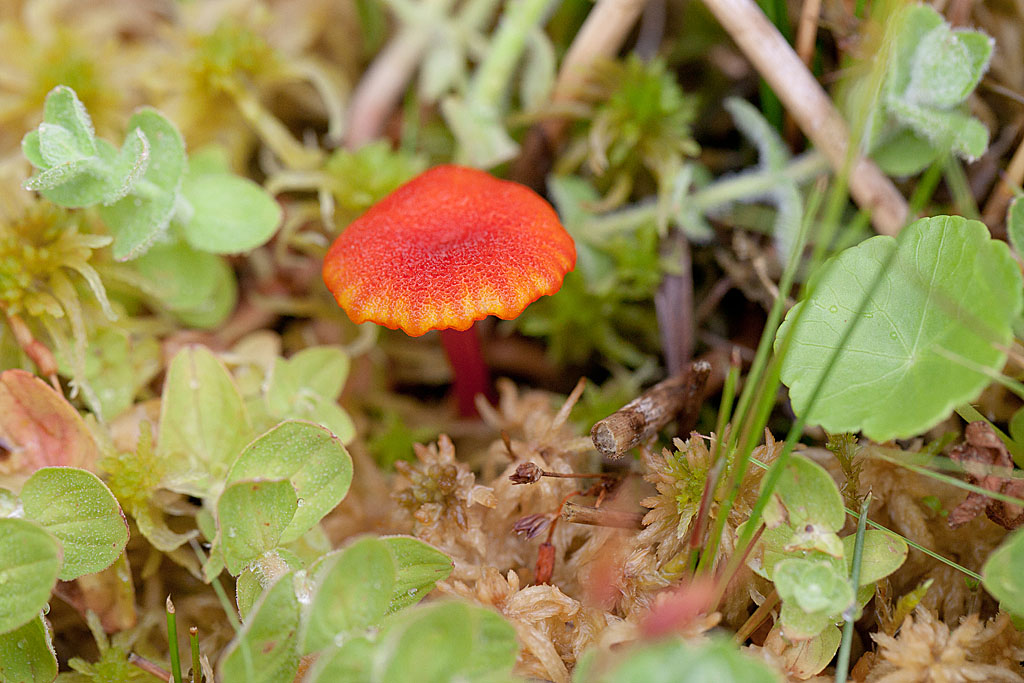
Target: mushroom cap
(450, 247)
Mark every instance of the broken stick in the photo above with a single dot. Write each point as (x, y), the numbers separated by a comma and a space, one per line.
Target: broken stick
(641, 418)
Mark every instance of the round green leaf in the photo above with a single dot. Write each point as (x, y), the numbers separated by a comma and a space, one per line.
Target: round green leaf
(79, 509)
(30, 560)
(26, 654)
(310, 458)
(1002, 576)
(354, 588)
(251, 516)
(947, 298)
(806, 494)
(229, 214)
(882, 554)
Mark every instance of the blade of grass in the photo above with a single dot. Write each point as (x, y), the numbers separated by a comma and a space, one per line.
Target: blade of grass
(748, 418)
(172, 641)
(193, 639)
(850, 614)
(952, 481)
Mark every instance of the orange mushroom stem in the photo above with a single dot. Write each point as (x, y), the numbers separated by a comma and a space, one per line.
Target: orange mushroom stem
(450, 247)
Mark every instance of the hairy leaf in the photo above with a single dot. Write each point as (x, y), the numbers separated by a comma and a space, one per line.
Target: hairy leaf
(79, 509)
(26, 654)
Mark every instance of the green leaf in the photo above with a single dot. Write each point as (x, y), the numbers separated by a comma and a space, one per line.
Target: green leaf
(951, 130)
(139, 218)
(310, 458)
(947, 66)
(62, 107)
(31, 148)
(418, 567)
(229, 214)
(79, 509)
(904, 153)
(352, 591)
(79, 182)
(118, 364)
(30, 561)
(806, 658)
(52, 178)
(130, 165)
(255, 578)
(185, 280)
(319, 370)
(251, 516)
(1002, 576)
(27, 655)
(265, 649)
(482, 139)
(203, 422)
(949, 296)
(800, 625)
(812, 585)
(807, 495)
(673, 661)
(883, 554)
(215, 310)
(307, 385)
(58, 145)
(438, 643)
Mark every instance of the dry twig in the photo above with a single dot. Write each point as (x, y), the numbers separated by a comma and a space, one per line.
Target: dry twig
(641, 418)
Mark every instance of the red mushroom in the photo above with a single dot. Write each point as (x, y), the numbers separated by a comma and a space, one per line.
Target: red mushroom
(450, 247)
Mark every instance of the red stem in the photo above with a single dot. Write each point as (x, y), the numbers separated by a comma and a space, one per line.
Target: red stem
(469, 369)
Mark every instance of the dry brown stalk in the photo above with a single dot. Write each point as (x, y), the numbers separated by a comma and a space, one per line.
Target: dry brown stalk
(584, 514)
(812, 108)
(995, 207)
(641, 418)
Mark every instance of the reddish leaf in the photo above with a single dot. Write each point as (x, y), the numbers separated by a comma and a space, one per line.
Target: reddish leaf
(39, 428)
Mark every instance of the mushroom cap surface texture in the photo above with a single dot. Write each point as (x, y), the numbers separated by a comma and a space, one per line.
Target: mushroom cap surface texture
(451, 246)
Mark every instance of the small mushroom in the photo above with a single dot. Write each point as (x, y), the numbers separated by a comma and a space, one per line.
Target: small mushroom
(450, 247)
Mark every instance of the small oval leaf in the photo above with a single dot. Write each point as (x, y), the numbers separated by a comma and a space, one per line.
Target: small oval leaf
(79, 509)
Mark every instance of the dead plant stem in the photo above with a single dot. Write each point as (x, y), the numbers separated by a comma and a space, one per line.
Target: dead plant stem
(812, 108)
